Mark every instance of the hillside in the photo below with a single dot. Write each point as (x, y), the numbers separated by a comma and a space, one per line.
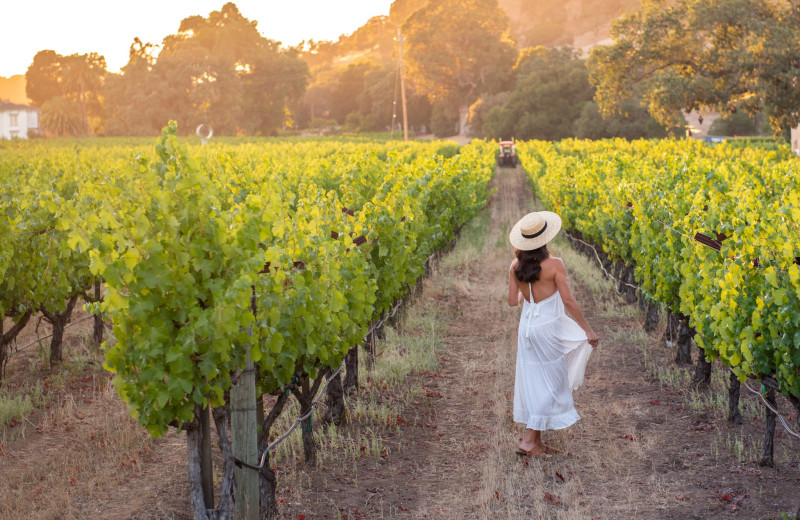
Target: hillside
(578, 23)
(13, 89)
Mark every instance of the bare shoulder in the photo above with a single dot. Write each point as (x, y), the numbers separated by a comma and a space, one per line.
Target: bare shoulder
(553, 263)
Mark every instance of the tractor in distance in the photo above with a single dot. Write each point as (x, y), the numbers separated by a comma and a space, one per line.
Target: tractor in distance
(508, 154)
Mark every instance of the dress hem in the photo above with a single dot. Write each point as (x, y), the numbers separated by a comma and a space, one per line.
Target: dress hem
(542, 423)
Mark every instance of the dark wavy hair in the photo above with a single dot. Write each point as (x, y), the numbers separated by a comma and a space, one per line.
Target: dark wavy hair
(529, 266)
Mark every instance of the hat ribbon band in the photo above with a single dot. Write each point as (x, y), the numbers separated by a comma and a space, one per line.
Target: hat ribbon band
(535, 234)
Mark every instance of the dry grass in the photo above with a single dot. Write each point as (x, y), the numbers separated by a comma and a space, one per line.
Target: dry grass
(81, 444)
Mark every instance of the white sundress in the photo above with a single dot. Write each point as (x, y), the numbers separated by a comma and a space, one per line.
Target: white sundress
(552, 352)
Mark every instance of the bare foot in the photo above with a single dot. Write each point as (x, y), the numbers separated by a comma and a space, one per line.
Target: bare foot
(550, 449)
(535, 450)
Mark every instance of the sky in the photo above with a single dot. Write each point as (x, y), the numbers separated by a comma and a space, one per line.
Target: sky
(109, 26)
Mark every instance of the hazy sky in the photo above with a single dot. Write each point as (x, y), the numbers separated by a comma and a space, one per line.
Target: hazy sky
(109, 26)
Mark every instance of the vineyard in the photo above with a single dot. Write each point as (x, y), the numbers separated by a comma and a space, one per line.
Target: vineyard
(235, 285)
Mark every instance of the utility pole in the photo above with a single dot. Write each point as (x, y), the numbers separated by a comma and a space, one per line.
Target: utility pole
(403, 85)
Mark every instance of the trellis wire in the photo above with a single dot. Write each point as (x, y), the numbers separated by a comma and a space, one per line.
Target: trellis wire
(776, 412)
(314, 403)
(39, 340)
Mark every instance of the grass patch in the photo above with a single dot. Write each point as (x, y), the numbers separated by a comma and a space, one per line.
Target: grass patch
(14, 408)
(471, 244)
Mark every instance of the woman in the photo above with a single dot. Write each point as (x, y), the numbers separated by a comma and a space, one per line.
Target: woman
(552, 349)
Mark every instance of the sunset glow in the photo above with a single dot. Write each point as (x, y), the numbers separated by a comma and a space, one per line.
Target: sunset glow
(109, 28)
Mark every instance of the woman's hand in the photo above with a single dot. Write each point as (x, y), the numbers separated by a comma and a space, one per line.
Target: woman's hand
(592, 338)
(514, 265)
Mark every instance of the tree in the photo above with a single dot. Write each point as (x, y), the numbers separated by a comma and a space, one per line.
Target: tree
(458, 50)
(724, 55)
(349, 90)
(61, 117)
(134, 106)
(42, 77)
(217, 70)
(633, 122)
(551, 87)
(78, 77)
(82, 77)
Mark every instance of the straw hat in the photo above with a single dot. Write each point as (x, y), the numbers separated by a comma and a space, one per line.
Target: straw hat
(534, 230)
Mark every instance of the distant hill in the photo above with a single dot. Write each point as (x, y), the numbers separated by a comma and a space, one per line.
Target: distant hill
(13, 89)
(578, 23)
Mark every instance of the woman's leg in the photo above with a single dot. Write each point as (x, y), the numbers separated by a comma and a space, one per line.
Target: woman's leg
(532, 441)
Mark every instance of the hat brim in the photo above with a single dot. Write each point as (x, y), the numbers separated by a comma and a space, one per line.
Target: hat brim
(527, 244)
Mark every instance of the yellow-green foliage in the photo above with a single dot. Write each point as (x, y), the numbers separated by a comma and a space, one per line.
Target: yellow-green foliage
(184, 239)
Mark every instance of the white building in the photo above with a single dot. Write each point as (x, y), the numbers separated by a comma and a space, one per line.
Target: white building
(16, 121)
(795, 140)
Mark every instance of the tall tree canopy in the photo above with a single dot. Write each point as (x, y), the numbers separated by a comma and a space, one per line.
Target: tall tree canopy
(78, 78)
(724, 55)
(457, 50)
(551, 99)
(217, 70)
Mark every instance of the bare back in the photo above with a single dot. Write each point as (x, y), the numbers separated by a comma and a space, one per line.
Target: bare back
(545, 286)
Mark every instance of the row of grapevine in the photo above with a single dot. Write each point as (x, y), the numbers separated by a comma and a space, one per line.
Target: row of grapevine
(712, 233)
(283, 253)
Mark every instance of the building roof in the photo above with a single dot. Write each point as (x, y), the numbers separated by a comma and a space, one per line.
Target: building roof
(6, 106)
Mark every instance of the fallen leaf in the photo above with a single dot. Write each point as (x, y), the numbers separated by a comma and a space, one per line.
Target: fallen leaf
(549, 497)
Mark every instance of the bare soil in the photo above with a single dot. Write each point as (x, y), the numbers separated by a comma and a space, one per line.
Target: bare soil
(646, 446)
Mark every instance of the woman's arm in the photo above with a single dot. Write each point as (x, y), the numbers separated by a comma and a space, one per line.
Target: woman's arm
(514, 294)
(569, 302)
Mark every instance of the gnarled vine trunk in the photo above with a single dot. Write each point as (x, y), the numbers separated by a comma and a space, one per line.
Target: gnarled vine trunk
(651, 317)
(702, 373)
(767, 459)
(199, 490)
(7, 337)
(97, 333)
(734, 415)
(267, 481)
(679, 334)
(305, 396)
(59, 321)
(335, 402)
(351, 374)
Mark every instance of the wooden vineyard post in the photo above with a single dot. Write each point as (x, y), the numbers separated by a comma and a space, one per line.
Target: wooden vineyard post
(244, 434)
(206, 462)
